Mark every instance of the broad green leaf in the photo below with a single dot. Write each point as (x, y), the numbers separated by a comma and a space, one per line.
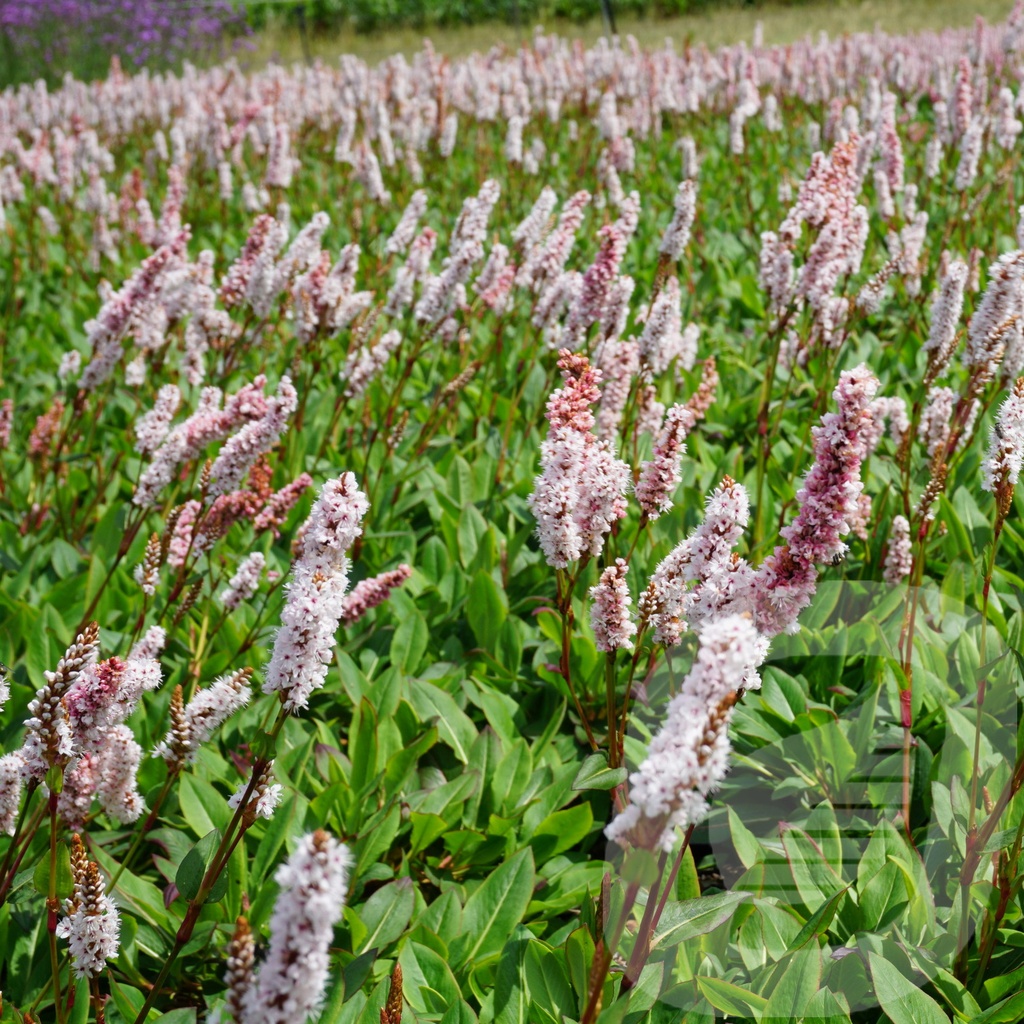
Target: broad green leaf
(594, 773)
(387, 913)
(903, 1001)
(681, 921)
(491, 914)
(486, 609)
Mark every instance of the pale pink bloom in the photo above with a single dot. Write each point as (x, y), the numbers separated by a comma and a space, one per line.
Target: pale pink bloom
(170, 212)
(615, 312)
(1007, 127)
(889, 145)
(689, 756)
(265, 239)
(242, 449)
(970, 155)
(414, 269)
(650, 412)
(1005, 456)
(10, 791)
(947, 306)
(304, 250)
(1003, 299)
(123, 311)
(105, 694)
(677, 234)
(313, 609)
(499, 295)
(441, 291)
(265, 797)
(181, 542)
(189, 439)
(280, 162)
(661, 475)
(493, 268)
(556, 297)
(869, 298)
(936, 418)
(281, 503)
(152, 427)
(313, 883)
(620, 361)
(609, 611)
(889, 408)
(48, 739)
(580, 491)
(590, 301)
(706, 559)
(899, 558)
(661, 339)
(963, 102)
(551, 260)
(513, 148)
(530, 231)
(92, 926)
(6, 422)
(115, 767)
(205, 713)
(363, 365)
(471, 226)
(405, 229)
(786, 581)
(446, 141)
(369, 593)
(603, 483)
(244, 582)
(151, 644)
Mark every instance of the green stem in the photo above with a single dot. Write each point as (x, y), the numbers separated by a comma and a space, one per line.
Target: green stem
(230, 839)
(614, 758)
(52, 908)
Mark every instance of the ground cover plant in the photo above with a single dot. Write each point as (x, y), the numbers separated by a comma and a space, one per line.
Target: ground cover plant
(524, 538)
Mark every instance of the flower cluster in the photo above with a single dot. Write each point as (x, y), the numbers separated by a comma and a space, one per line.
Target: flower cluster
(580, 491)
(315, 603)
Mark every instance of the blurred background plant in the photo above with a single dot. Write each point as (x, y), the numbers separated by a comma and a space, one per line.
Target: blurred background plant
(47, 38)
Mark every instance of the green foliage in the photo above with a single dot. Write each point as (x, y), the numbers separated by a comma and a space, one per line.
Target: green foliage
(465, 745)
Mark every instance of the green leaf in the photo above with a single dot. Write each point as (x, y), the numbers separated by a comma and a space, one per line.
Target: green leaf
(362, 746)
(730, 998)
(681, 921)
(427, 980)
(1007, 1011)
(818, 923)
(594, 773)
(902, 1001)
(129, 1001)
(748, 849)
(65, 885)
(193, 868)
(548, 980)
(511, 997)
(796, 986)
(202, 806)
(409, 642)
(561, 831)
(493, 911)
(387, 913)
(486, 610)
(183, 1015)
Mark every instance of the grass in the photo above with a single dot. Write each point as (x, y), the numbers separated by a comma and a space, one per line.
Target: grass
(781, 24)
